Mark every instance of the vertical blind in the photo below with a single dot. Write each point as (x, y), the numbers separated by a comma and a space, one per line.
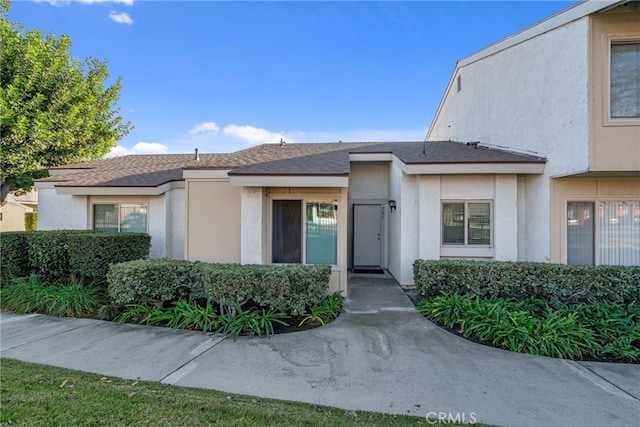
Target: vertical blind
(606, 232)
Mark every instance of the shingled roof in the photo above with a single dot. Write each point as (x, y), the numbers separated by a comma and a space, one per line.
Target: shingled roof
(320, 159)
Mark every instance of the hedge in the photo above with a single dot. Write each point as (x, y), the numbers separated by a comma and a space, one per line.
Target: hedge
(287, 288)
(55, 254)
(520, 280)
(154, 281)
(290, 289)
(14, 253)
(90, 254)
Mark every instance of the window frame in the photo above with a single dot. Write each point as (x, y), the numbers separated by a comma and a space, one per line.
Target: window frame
(118, 207)
(608, 119)
(596, 222)
(303, 235)
(466, 202)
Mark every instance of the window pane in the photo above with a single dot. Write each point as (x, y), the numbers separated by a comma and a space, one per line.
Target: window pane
(619, 233)
(453, 223)
(134, 218)
(105, 218)
(286, 240)
(580, 234)
(322, 232)
(625, 80)
(479, 232)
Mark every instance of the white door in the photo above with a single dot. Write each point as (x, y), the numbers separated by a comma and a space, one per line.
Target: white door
(367, 235)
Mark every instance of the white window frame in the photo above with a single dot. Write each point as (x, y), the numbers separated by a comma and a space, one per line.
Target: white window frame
(304, 200)
(452, 249)
(118, 205)
(608, 120)
(596, 221)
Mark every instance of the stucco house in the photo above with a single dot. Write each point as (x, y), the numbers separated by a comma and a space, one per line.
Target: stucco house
(14, 210)
(351, 205)
(567, 89)
(555, 176)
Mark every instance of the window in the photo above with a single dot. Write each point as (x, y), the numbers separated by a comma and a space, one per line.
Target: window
(466, 223)
(625, 80)
(603, 232)
(120, 218)
(317, 228)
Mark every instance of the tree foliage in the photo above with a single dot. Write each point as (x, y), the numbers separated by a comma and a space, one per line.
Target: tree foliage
(54, 108)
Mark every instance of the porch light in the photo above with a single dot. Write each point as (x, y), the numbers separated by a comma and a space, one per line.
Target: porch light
(392, 205)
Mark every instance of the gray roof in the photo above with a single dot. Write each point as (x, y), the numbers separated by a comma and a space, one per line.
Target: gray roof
(272, 159)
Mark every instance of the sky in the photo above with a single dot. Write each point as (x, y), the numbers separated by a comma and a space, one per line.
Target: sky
(226, 75)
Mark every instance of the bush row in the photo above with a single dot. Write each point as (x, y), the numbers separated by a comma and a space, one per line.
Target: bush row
(58, 253)
(594, 330)
(290, 289)
(520, 280)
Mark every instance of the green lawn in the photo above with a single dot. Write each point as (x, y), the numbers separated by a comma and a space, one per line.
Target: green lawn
(37, 395)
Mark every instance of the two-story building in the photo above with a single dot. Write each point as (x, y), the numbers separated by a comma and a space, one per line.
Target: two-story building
(567, 89)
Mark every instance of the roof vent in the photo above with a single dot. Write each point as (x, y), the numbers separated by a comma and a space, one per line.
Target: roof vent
(197, 157)
(282, 143)
(473, 144)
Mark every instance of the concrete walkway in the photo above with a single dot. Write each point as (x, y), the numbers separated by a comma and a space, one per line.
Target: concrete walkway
(380, 355)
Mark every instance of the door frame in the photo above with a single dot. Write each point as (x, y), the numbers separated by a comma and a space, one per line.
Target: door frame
(382, 204)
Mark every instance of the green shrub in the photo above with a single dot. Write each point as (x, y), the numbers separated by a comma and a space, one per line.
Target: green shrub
(328, 310)
(90, 254)
(31, 221)
(251, 322)
(288, 289)
(520, 280)
(14, 252)
(292, 288)
(155, 281)
(594, 329)
(56, 300)
(49, 253)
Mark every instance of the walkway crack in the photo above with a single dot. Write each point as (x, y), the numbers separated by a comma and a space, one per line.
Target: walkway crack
(609, 382)
(183, 370)
(48, 336)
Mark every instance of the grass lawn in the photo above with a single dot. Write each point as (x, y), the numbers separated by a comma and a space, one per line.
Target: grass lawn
(38, 395)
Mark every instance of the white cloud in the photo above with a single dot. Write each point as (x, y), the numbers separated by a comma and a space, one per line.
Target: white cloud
(121, 18)
(206, 127)
(139, 148)
(254, 135)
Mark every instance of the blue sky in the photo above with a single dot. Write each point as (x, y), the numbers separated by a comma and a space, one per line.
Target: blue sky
(223, 76)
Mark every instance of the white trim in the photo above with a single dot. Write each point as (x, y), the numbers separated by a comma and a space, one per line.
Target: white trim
(289, 181)
(371, 157)
(205, 173)
(473, 168)
(466, 252)
(118, 191)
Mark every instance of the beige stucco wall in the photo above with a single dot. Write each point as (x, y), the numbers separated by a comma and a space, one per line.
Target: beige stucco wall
(614, 143)
(213, 219)
(12, 216)
(583, 189)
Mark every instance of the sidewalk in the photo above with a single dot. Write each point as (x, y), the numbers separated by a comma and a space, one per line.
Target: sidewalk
(380, 355)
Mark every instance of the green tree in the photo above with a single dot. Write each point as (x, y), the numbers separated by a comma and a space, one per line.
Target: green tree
(54, 108)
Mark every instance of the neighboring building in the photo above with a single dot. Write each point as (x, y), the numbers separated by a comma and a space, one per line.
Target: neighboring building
(13, 210)
(567, 89)
(352, 205)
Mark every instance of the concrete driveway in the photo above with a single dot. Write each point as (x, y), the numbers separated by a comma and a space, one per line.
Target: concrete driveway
(380, 355)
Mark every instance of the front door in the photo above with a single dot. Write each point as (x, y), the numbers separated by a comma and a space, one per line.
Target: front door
(367, 235)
